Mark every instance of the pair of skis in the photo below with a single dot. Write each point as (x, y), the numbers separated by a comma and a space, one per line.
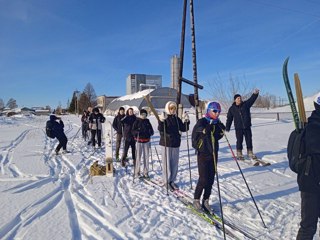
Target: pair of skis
(254, 162)
(211, 218)
(299, 117)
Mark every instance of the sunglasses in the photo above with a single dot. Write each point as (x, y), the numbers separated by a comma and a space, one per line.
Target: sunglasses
(215, 110)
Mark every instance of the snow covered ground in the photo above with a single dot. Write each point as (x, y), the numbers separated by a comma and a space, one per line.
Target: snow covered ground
(44, 196)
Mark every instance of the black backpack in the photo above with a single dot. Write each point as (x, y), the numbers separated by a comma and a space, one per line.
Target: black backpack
(49, 129)
(296, 150)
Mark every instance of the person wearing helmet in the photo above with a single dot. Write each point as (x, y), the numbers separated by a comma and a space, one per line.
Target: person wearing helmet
(205, 139)
(240, 113)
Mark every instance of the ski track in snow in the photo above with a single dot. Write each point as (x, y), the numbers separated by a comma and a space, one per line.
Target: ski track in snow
(120, 208)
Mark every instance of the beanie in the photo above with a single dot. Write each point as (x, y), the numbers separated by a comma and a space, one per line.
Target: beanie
(121, 108)
(143, 111)
(316, 102)
(236, 96)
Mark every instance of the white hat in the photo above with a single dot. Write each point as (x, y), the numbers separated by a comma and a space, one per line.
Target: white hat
(317, 99)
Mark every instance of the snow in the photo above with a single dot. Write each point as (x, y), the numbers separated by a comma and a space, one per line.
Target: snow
(44, 196)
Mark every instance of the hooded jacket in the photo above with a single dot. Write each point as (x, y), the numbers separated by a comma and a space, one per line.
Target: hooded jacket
(173, 125)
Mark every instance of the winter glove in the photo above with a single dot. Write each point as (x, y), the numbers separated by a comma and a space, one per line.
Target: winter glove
(256, 91)
(221, 125)
(186, 117)
(163, 116)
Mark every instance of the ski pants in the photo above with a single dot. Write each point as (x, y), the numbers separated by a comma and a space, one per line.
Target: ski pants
(62, 142)
(118, 144)
(142, 152)
(170, 167)
(206, 176)
(93, 137)
(129, 143)
(247, 133)
(310, 212)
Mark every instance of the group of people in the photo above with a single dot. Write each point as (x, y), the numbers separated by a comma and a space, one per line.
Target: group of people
(92, 121)
(137, 131)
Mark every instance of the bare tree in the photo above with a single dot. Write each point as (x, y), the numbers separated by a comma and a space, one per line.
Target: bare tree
(12, 103)
(91, 94)
(223, 90)
(1, 104)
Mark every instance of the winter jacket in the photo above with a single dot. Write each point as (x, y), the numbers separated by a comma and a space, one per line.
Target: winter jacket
(127, 122)
(117, 124)
(311, 182)
(142, 130)
(205, 133)
(173, 126)
(240, 114)
(57, 128)
(96, 121)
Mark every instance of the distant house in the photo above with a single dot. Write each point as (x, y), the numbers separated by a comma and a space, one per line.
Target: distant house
(159, 97)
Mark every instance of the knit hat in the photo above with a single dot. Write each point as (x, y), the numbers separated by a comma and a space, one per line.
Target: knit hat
(236, 96)
(316, 102)
(53, 117)
(121, 108)
(143, 111)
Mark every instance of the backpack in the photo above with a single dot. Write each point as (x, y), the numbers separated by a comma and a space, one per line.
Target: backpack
(49, 129)
(296, 150)
(196, 140)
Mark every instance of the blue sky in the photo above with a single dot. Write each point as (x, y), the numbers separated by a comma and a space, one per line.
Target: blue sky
(48, 49)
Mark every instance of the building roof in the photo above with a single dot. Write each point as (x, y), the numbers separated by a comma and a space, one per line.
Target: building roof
(159, 97)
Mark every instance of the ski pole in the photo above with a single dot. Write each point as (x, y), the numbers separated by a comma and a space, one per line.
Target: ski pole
(234, 157)
(75, 135)
(151, 155)
(188, 153)
(165, 154)
(158, 158)
(218, 185)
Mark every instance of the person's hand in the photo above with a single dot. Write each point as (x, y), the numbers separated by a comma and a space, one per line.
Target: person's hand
(163, 116)
(186, 117)
(256, 91)
(221, 125)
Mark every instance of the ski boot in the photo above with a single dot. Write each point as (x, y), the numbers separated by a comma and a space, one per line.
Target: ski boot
(239, 155)
(196, 204)
(206, 207)
(252, 156)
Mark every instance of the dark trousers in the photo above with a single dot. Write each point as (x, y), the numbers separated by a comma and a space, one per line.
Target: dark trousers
(129, 143)
(93, 137)
(62, 142)
(248, 137)
(206, 176)
(310, 212)
(118, 144)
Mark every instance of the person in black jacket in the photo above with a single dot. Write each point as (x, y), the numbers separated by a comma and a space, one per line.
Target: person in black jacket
(170, 128)
(309, 177)
(129, 141)
(207, 132)
(58, 130)
(142, 131)
(117, 125)
(240, 113)
(85, 124)
(95, 122)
